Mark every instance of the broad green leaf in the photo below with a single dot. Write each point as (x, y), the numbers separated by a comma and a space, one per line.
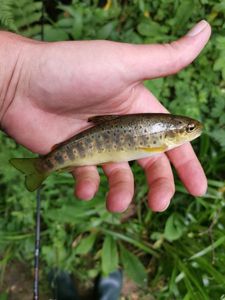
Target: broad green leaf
(106, 30)
(184, 12)
(133, 267)
(174, 227)
(65, 23)
(149, 28)
(69, 9)
(220, 42)
(218, 135)
(86, 244)
(55, 34)
(77, 28)
(155, 86)
(4, 296)
(71, 213)
(34, 17)
(219, 63)
(109, 255)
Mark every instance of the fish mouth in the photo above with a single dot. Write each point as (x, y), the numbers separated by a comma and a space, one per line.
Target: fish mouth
(199, 129)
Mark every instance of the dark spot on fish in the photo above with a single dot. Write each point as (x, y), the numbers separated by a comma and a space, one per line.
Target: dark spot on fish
(59, 158)
(145, 131)
(48, 163)
(129, 140)
(87, 141)
(154, 142)
(69, 152)
(99, 145)
(105, 136)
(80, 149)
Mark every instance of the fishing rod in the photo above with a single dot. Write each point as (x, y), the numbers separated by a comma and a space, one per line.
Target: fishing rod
(38, 208)
(37, 246)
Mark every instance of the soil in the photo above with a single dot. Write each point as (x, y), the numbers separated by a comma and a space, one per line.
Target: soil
(18, 284)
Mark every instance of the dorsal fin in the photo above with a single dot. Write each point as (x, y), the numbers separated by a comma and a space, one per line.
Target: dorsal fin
(103, 118)
(57, 145)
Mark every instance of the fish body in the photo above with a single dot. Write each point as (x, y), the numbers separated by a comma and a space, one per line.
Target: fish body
(113, 139)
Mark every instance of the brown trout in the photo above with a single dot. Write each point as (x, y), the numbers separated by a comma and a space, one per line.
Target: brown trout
(113, 138)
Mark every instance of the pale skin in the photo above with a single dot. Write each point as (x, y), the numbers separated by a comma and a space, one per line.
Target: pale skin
(48, 90)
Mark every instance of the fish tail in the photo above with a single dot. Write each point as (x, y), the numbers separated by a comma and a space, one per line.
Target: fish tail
(33, 177)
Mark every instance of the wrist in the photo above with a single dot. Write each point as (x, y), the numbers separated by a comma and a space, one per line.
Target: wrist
(10, 69)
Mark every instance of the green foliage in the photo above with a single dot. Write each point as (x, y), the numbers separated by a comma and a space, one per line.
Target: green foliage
(174, 227)
(21, 16)
(4, 296)
(109, 255)
(178, 254)
(6, 14)
(133, 267)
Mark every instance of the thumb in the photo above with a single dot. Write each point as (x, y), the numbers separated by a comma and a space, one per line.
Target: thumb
(157, 60)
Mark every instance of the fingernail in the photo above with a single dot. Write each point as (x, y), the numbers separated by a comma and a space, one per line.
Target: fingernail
(165, 207)
(197, 28)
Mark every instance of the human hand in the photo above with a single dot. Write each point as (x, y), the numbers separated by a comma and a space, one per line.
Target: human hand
(55, 87)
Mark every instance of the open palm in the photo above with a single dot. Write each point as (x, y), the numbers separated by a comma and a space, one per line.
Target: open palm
(60, 85)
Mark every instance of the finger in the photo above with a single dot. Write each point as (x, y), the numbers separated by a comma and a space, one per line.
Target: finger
(87, 182)
(189, 169)
(157, 60)
(183, 158)
(160, 181)
(121, 186)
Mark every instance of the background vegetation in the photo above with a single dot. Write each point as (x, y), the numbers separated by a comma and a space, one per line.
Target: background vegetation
(177, 254)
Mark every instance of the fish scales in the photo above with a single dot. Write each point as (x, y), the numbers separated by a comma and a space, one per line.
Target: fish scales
(111, 139)
(115, 140)
(105, 138)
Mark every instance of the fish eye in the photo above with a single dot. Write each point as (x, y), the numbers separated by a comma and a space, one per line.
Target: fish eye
(190, 127)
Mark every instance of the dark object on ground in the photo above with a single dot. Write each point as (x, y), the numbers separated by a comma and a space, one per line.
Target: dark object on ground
(109, 288)
(62, 285)
(106, 288)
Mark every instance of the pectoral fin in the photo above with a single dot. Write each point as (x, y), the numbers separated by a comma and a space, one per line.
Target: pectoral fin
(160, 149)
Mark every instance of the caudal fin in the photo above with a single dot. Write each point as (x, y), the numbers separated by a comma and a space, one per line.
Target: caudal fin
(33, 177)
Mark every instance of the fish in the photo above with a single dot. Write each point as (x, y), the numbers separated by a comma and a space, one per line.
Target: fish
(111, 138)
